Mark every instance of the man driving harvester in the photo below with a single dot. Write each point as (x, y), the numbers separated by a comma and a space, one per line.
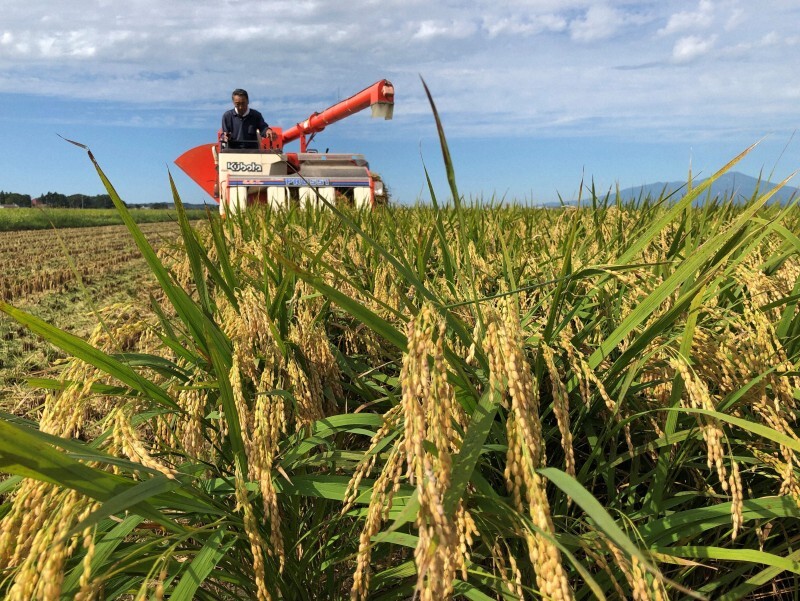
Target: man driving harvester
(241, 125)
(260, 168)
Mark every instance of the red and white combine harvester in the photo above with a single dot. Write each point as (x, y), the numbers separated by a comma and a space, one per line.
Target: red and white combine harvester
(263, 172)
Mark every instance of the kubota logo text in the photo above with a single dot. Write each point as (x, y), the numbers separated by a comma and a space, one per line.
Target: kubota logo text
(246, 167)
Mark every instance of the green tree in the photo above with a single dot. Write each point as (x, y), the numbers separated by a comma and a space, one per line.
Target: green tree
(15, 198)
(54, 199)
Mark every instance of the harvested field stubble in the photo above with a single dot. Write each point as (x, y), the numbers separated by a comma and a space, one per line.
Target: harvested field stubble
(64, 276)
(488, 403)
(36, 261)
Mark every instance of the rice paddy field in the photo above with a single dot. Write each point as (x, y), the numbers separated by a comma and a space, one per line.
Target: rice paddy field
(441, 402)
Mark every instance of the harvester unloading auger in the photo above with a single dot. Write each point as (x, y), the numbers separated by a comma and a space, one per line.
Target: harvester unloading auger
(263, 172)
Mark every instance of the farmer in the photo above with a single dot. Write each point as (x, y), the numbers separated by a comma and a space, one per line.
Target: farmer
(242, 125)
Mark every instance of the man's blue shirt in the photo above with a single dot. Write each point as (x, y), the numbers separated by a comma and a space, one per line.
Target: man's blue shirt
(243, 127)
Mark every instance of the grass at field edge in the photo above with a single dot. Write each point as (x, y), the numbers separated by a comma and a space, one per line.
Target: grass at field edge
(37, 219)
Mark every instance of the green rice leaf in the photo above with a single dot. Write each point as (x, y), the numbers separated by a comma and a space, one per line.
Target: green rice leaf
(753, 427)
(470, 591)
(687, 269)
(213, 550)
(757, 580)
(325, 428)
(595, 512)
(694, 522)
(128, 499)
(104, 547)
(23, 454)
(750, 556)
(193, 248)
(466, 460)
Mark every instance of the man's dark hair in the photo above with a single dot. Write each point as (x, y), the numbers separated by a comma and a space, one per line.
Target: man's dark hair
(240, 92)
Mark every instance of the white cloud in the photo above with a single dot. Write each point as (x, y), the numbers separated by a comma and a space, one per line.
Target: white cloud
(700, 18)
(691, 47)
(770, 39)
(523, 25)
(600, 22)
(501, 65)
(428, 30)
(735, 18)
(76, 44)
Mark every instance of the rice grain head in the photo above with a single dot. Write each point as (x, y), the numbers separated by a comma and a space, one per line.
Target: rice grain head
(512, 379)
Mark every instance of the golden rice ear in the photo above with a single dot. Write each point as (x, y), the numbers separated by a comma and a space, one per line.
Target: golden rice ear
(699, 398)
(560, 408)
(257, 546)
(513, 379)
(36, 539)
(127, 439)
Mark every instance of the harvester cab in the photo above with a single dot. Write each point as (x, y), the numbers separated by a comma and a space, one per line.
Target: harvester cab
(236, 174)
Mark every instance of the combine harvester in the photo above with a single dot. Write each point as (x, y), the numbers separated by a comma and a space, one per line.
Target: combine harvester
(260, 171)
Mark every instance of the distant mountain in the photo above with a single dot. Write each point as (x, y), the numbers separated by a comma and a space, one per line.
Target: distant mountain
(735, 185)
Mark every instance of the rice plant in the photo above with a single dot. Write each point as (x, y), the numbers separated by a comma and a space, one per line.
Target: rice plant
(454, 401)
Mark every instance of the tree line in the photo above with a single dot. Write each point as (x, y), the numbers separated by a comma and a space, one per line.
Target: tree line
(58, 200)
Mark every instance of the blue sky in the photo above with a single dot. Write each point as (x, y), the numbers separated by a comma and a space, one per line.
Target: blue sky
(535, 95)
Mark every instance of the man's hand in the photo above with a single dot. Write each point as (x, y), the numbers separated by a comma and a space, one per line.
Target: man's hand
(270, 135)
